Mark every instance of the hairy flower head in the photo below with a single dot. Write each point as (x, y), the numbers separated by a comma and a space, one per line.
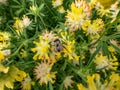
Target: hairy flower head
(93, 28)
(86, 7)
(49, 35)
(75, 17)
(57, 3)
(43, 73)
(68, 82)
(26, 21)
(42, 48)
(20, 24)
(103, 62)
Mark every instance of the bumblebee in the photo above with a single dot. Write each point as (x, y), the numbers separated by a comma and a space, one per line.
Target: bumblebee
(57, 45)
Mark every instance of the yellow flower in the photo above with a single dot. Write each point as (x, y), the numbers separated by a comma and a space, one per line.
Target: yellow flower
(111, 49)
(69, 46)
(108, 8)
(93, 3)
(51, 77)
(91, 81)
(81, 87)
(19, 24)
(80, 11)
(75, 17)
(33, 8)
(23, 53)
(69, 51)
(4, 39)
(103, 62)
(57, 3)
(42, 72)
(42, 48)
(113, 64)
(94, 83)
(96, 27)
(1, 56)
(87, 8)
(68, 82)
(20, 76)
(8, 79)
(45, 47)
(4, 54)
(5, 35)
(50, 36)
(101, 11)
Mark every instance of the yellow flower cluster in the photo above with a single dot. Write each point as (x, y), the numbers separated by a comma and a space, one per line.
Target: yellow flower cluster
(105, 63)
(94, 83)
(19, 24)
(69, 47)
(69, 51)
(45, 48)
(80, 11)
(107, 8)
(96, 27)
(13, 74)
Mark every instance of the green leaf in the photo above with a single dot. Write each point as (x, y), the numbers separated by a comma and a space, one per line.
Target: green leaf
(41, 7)
(19, 11)
(61, 87)
(17, 2)
(105, 48)
(64, 65)
(50, 86)
(94, 54)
